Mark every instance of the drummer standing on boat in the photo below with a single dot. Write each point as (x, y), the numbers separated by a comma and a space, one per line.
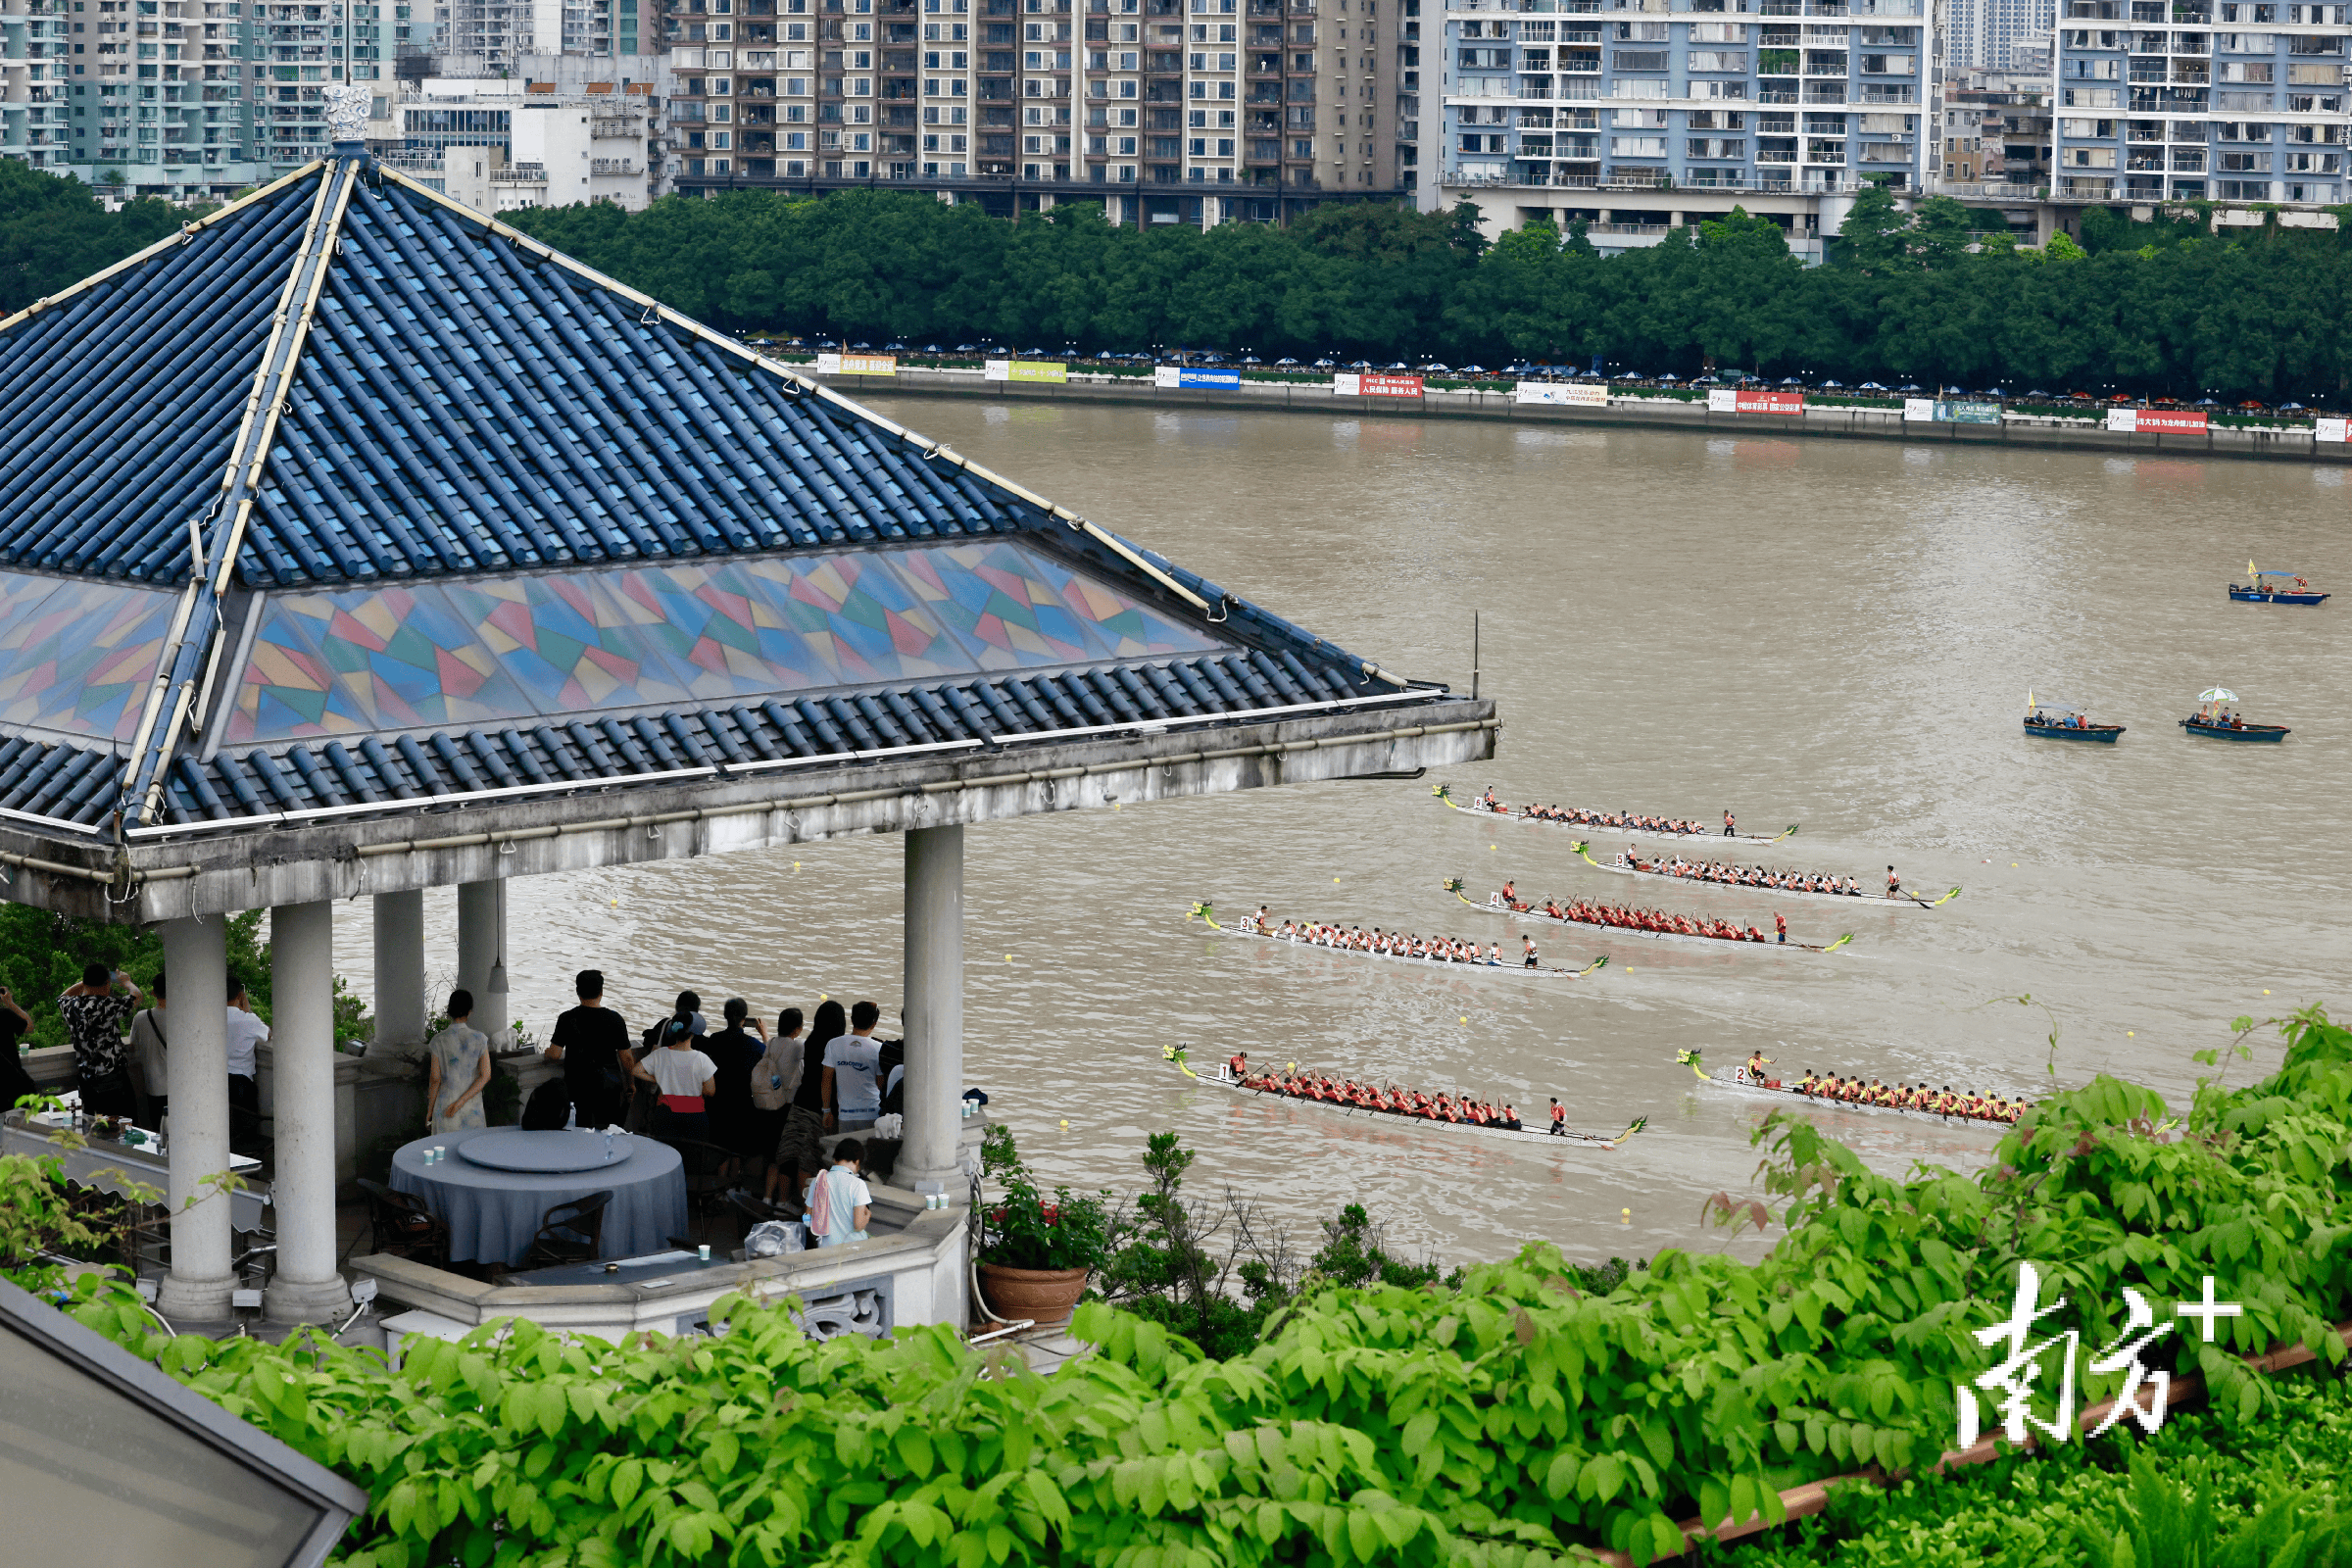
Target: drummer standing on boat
(1894, 884)
(1729, 823)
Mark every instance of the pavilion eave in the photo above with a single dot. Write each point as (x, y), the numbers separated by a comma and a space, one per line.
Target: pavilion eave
(267, 861)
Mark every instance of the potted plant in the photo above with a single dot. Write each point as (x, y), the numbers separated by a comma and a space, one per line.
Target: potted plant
(1036, 1254)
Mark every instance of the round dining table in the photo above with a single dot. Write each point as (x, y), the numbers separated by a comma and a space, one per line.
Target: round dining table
(495, 1200)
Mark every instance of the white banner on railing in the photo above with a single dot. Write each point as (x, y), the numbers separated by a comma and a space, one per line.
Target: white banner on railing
(1562, 394)
(2329, 429)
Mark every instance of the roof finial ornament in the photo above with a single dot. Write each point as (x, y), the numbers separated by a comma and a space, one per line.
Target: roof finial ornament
(347, 105)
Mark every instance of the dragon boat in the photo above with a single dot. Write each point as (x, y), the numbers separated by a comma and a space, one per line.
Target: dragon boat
(1495, 906)
(1223, 1078)
(1654, 869)
(1740, 1081)
(1606, 821)
(1249, 929)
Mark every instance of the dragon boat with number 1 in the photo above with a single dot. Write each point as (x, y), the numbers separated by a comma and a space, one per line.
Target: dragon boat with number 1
(1900, 901)
(1601, 821)
(1223, 1078)
(1495, 906)
(1249, 929)
(1742, 1082)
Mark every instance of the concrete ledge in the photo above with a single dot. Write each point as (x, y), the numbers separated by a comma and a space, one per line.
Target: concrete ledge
(921, 1253)
(2029, 431)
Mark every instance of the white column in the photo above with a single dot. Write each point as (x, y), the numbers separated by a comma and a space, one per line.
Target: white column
(306, 1288)
(934, 1010)
(196, 964)
(482, 955)
(400, 971)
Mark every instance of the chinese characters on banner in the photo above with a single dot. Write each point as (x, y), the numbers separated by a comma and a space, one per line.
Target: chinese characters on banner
(1348, 385)
(2013, 1378)
(1739, 401)
(2157, 421)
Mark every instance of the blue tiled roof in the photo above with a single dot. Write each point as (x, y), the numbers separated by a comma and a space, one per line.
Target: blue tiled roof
(471, 410)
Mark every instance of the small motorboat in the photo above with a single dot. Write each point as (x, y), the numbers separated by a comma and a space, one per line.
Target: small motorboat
(2066, 721)
(2275, 588)
(2215, 721)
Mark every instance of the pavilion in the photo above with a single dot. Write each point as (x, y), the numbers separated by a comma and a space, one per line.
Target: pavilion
(353, 542)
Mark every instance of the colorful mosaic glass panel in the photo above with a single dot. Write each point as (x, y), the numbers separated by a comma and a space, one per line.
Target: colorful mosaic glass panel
(527, 648)
(77, 657)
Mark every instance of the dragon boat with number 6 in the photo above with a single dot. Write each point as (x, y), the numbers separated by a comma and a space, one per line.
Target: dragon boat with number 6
(1901, 901)
(1249, 928)
(1223, 1078)
(1495, 906)
(1584, 821)
(1742, 1081)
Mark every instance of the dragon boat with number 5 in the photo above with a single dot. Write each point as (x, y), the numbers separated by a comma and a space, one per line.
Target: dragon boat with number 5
(1495, 906)
(1223, 1078)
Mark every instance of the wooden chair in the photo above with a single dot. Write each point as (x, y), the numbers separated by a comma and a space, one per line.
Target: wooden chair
(400, 1224)
(570, 1233)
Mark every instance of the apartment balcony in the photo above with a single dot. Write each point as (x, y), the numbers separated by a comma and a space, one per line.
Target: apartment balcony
(1825, 92)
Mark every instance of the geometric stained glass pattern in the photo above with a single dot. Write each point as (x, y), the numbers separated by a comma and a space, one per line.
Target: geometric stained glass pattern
(77, 655)
(524, 647)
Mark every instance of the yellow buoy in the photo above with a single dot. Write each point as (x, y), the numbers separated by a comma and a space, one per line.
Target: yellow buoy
(1065, 1123)
(2130, 1034)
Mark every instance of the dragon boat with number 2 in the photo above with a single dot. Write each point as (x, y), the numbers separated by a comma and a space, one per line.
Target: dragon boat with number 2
(1223, 1078)
(1587, 820)
(1249, 928)
(1495, 906)
(1901, 901)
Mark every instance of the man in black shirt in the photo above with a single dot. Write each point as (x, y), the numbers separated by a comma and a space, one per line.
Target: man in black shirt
(589, 1040)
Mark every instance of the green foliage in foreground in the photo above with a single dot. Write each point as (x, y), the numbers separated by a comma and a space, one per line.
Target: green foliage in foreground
(2198, 1494)
(2151, 308)
(1493, 1423)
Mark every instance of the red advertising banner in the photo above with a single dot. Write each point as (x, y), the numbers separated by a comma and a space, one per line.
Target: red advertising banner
(1745, 402)
(1345, 384)
(2170, 421)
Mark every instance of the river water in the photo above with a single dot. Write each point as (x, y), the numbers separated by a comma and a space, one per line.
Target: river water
(1835, 634)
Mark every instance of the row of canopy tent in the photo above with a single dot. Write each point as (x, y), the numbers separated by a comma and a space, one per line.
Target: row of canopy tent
(353, 542)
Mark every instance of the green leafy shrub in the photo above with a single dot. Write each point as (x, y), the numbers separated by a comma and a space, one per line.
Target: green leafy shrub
(1499, 1421)
(1024, 1230)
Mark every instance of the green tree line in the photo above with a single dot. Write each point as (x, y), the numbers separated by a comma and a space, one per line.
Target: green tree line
(54, 232)
(2156, 308)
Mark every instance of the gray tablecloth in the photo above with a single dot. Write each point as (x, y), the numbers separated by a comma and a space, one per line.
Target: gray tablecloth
(493, 1215)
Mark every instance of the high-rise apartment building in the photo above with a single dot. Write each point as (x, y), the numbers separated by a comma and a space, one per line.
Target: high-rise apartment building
(1636, 115)
(1167, 111)
(183, 99)
(1984, 35)
(2192, 100)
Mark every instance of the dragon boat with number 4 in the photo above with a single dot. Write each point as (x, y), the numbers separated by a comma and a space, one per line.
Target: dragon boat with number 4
(1223, 1078)
(1742, 1079)
(1427, 961)
(1629, 863)
(1585, 819)
(1750, 940)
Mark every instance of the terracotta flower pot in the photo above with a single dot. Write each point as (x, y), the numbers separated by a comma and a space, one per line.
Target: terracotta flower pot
(1045, 1295)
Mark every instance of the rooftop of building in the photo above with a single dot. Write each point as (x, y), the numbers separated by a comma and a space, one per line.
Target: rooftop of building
(349, 500)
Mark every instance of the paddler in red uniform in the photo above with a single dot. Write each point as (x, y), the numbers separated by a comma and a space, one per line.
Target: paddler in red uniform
(1780, 925)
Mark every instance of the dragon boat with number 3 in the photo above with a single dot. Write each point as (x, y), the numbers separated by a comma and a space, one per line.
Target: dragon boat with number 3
(1901, 901)
(1589, 820)
(1223, 1078)
(1495, 906)
(1249, 929)
(1740, 1081)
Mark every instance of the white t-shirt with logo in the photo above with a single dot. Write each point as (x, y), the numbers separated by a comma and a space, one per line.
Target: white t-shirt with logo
(854, 1060)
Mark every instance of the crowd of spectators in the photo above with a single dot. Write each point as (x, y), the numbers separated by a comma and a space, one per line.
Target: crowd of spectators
(755, 1093)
